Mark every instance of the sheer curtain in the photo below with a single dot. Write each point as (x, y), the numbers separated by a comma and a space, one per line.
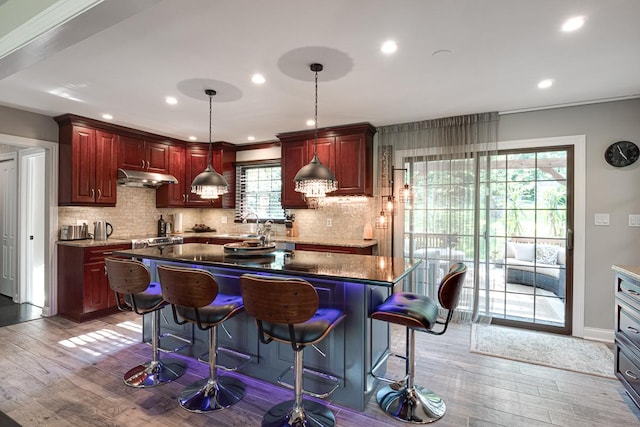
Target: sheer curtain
(446, 163)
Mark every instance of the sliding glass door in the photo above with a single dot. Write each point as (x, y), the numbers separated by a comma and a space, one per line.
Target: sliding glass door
(508, 217)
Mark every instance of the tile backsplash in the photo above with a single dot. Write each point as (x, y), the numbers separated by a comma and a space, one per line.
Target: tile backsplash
(136, 215)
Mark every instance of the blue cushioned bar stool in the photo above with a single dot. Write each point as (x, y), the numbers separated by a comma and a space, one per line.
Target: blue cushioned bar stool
(403, 399)
(131, 282)
(194, 298)
(287, 311)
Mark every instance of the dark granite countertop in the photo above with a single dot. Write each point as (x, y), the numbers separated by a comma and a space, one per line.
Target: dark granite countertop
(367, 269)
(123, 240)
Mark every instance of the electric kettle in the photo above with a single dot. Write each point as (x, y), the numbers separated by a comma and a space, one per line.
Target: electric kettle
(100, 228)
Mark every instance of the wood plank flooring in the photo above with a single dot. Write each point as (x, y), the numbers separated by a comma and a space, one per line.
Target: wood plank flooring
(59, 373)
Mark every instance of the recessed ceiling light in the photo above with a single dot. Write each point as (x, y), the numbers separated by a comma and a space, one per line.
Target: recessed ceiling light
(573, 24)
(171, 100)
(310, 122)
(251, 138)
(107, 116)
(192, 138)
(543, 84)
(258, 79)
(389, 47)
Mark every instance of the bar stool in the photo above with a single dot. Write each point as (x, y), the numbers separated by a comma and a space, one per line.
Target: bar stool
(287, 311)
(194, 298)
(403, 399)
(134, 291)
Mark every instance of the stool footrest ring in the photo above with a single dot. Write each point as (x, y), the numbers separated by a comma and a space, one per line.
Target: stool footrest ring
(245, 359)
(334, 382)
(381, 362)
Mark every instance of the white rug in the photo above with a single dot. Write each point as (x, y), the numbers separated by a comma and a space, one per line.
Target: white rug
(556, 351)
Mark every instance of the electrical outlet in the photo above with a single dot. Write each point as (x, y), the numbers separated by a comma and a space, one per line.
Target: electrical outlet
(329, 223)
(82, 221)
(601, 219)
(634, 220)
(223, 220)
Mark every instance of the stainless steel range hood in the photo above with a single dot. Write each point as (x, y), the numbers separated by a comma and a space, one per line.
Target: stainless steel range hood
(130, 178)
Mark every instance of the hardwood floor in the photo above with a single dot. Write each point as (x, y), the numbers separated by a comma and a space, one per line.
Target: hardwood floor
(59, 373)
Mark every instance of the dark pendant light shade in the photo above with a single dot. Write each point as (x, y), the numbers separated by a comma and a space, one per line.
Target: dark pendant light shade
(315, 180)
(209, 184)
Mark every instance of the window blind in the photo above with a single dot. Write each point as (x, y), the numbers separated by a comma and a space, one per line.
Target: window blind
(258, 191)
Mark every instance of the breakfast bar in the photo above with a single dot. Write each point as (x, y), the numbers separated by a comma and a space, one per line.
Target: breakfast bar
(352, 283)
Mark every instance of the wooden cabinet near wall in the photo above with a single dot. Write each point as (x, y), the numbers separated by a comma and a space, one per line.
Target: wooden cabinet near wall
(346, 150)
(185, 164)
(335, 249)
(627, 330)
(83, 287)
(142, 155)
(87, 164)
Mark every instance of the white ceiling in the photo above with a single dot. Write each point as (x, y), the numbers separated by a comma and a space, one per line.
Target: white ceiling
(125, 57)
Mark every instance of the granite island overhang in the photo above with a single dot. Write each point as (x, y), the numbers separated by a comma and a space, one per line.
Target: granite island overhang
(352, 283)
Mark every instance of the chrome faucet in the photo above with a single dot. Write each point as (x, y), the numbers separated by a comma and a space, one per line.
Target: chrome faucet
(258, 225)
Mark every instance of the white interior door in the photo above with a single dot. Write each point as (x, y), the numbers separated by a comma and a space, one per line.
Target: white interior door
(8, 225)
(34, 239)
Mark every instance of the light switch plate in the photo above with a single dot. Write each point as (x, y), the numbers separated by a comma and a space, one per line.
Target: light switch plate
(601, 219)
(223, 220)
(634, 220)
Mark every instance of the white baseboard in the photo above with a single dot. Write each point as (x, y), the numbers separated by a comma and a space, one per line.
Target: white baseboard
(596, 334)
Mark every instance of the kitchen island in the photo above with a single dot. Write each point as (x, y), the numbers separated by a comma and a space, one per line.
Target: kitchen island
(352, 283)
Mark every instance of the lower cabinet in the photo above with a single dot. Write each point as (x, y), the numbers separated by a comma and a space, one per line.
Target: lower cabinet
(627, 330)
(335, 249)
(83, 287)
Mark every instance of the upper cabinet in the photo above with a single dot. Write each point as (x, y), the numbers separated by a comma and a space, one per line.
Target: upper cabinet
(185, 164)
(142, 155)
(346, 150)
(87, 164)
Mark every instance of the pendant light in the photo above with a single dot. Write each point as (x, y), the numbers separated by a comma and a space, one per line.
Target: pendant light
(315, 180)
(209, 184)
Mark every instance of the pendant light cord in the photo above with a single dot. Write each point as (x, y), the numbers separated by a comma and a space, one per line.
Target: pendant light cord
(315, 120)
(210, 114)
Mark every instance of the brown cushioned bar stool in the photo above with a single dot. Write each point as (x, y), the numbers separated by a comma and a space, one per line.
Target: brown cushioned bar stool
(404, 400)
(194, 298)
(287, 311)
(130, 281)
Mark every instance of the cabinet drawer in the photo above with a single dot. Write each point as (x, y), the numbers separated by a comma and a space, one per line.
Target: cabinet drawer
(628, 322)
(628, 288)
(97, 254)
(628, 371)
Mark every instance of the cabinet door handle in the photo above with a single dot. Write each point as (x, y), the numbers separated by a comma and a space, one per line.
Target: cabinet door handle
(632, 292)
(105, 270)
(632, 329)
(147, 164)
(631, 374)
(93, 193)
(142, 163)
(107, 253)
(99, 194)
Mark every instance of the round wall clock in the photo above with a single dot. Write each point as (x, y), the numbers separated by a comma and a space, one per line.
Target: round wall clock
(622, 153)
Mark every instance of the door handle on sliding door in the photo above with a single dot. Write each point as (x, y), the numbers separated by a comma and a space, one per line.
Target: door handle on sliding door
(569, 239)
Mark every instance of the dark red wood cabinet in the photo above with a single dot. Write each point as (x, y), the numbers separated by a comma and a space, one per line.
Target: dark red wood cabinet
(142, 155)
(346, 150)
(83, 287)
(185, 164)
(87, 165)
(335, 249)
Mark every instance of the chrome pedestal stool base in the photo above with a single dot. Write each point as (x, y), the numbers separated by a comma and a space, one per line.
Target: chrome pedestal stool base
(416, 405)
(208, 395)
(314, 414)
(153, 373)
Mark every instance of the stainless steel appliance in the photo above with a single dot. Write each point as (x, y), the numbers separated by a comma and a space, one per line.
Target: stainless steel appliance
(74, 232)
(101, 230)
(156, 241)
